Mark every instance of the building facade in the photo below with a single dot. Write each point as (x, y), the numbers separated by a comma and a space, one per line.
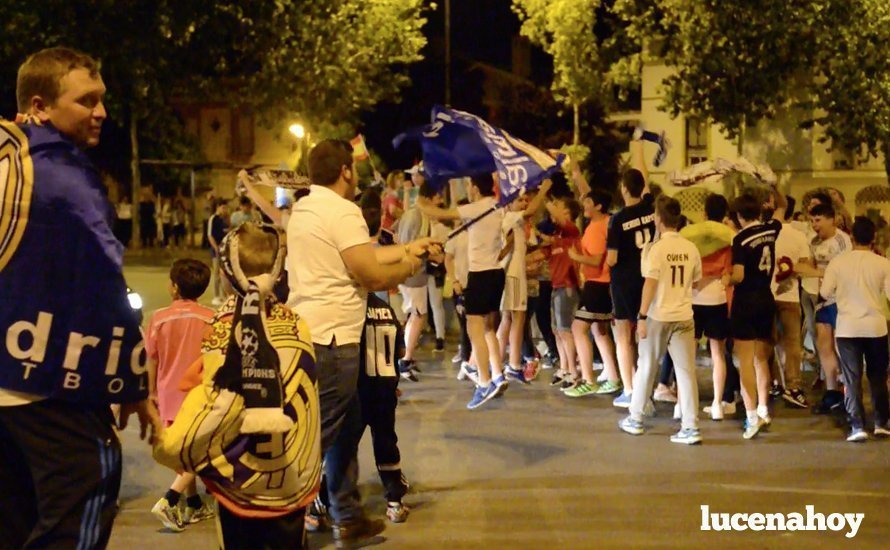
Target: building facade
(801, 162)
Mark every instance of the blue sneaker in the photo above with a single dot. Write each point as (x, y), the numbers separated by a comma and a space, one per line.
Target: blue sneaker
(631, 426)
(516, 375)
(622, 401)
(500, 385)
(482, 395)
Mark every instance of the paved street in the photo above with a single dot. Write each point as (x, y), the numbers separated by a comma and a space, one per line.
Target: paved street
(537, 469)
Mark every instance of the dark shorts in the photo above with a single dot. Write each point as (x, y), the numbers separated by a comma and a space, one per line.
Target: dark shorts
(484, 290)
(596, 303)
(626, 297)
(827, 315)
(753, 315)
(712, 321)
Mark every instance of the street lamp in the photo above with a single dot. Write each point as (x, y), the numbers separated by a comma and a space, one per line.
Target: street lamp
(297, 130)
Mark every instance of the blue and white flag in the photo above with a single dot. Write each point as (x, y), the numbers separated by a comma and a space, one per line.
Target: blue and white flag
(67, 329)
(458, 144)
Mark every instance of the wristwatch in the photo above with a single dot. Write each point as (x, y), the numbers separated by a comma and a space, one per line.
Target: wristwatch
(642, 317)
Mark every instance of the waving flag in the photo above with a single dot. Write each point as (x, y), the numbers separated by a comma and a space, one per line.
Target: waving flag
(359, 149)
(458, 144)
(68, 329)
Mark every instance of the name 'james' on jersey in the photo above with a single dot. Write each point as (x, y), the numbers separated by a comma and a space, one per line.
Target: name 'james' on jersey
(382, 341)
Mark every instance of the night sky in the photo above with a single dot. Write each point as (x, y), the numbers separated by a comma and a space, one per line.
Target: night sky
(481, 31)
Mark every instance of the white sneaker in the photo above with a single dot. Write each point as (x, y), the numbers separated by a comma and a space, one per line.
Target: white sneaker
(725, 409)
(602, 377)
(752, 429)
(882, 431)
(857, 436)
(665, 395)
(678, 415)
(468, 372)
(716, 411)
(763, 413)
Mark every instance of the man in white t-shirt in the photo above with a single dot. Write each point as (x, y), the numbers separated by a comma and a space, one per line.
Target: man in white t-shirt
(485, 283)
(670, 266)
(514, 302)
(828, 243)
(792, 252)
(331, 267)
(859, 280)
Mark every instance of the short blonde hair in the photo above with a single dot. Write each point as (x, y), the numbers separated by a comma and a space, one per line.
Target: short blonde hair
(42, 73)
(257, 250)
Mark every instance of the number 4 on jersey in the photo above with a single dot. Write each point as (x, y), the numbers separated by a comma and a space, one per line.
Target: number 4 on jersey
(766, 260)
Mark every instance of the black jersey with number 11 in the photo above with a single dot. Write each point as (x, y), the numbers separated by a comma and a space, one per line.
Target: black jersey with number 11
(755, 248)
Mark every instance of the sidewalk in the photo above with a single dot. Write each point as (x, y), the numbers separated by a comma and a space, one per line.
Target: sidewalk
(154, 257)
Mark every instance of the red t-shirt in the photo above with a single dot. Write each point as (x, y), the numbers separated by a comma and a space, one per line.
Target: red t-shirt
(593, 243)
(389, 202)
(562, 268)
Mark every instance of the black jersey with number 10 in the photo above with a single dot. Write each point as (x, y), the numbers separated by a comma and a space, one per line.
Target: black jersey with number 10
(382, 341)
(754, 248)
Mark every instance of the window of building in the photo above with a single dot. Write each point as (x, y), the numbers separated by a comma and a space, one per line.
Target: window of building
(696, 140)
(842, 159)
(242, 134)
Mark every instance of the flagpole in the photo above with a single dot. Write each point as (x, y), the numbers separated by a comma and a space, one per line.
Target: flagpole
(467, 225)
(368, 152)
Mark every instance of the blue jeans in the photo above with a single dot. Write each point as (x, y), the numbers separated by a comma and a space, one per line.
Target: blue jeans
(341, 427)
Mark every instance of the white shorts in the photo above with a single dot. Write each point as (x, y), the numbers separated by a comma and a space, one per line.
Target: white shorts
(414, 299)
(515, 296)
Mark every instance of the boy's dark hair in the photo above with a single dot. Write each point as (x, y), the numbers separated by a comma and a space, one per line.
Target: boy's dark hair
(327, 159)
(863, 231)
(220, 202)
(823, 198)
(484, 183)
(669, 211)
(571, 205)
(789, 210)
(191, 277)
(716, 207)
(560, 187)
(601, 198)
(372, 210)
(747, 206)
(42, 73)
(245, 201)
(634, 182)
(824, 210)
(427, 190)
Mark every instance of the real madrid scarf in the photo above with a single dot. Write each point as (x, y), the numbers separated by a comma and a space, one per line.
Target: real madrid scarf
(251, 366)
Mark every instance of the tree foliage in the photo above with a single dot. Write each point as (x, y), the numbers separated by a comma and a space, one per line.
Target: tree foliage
(853, 91)
(338, 58)
(591, 60)
(733, 61)
(736, 63)
(326, 61)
